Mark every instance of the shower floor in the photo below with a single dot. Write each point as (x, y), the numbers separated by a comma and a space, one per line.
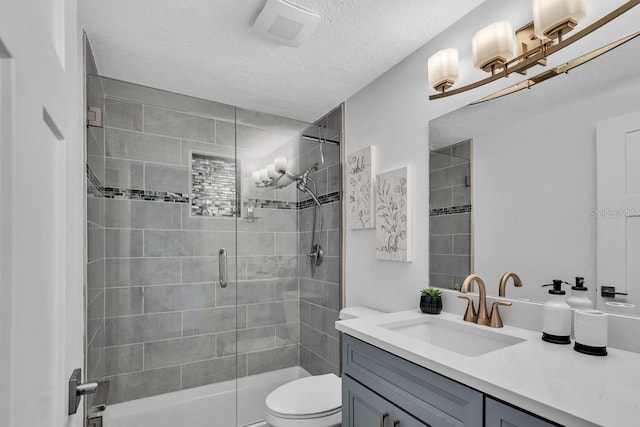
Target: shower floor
(207, 406)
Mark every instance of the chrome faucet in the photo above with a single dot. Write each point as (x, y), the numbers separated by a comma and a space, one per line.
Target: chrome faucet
(481, 317)
(517, 282)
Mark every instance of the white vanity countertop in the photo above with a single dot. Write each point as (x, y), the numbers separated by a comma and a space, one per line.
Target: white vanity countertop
(550, 380)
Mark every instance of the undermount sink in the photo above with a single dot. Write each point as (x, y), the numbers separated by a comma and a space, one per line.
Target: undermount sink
(464, 339)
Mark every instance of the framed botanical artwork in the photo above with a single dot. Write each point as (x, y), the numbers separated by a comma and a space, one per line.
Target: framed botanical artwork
(393, 215)
(360, 188)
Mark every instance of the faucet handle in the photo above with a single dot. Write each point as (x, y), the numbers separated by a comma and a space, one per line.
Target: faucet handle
(470, 315)
(495, 321)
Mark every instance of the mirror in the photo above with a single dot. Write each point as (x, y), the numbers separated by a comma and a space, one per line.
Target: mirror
(540, 158)
(450, 254)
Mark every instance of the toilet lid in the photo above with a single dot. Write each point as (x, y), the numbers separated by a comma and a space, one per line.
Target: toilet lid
(311, 396)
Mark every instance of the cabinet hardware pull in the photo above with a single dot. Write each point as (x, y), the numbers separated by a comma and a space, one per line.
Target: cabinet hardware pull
(222, 267)
(382, 418)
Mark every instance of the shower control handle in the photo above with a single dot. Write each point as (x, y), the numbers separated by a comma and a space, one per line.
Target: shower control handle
(222, 267)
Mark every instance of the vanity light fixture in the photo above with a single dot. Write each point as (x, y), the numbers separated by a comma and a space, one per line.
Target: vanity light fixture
(271, 174)
(493, 45)
(557, 71)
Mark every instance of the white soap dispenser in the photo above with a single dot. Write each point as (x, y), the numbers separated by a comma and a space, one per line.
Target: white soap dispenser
(579, 298)
(556, 316)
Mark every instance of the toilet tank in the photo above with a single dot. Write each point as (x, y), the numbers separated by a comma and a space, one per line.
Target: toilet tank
(356, 311)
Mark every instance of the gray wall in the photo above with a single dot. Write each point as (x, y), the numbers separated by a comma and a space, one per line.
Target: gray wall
(449, 215)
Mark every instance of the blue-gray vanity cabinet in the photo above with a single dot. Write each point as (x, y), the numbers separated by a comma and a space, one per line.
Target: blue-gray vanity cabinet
(363, 408)
(429, 397)
(499, 414)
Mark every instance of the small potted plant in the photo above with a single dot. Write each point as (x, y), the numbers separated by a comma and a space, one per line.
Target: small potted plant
(431, 301)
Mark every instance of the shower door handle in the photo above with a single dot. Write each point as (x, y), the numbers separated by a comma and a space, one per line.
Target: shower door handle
(222, 267)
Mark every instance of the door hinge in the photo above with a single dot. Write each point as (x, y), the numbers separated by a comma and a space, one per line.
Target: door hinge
(94, 117)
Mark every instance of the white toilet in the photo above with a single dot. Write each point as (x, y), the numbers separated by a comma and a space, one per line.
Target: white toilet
(311, 401)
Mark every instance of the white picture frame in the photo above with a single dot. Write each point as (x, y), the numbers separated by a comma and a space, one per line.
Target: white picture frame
(394, 215)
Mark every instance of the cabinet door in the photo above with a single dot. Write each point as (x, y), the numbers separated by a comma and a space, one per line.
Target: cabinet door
(403, 419)
(500, 415)
(430, 397)
(363, 408)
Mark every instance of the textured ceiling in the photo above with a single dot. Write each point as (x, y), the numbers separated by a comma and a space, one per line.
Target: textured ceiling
(205, 48)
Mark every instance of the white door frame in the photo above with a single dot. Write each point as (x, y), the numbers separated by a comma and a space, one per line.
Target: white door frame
(618, 206)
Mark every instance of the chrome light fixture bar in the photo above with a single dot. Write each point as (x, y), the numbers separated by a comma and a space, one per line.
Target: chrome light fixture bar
(553, 19)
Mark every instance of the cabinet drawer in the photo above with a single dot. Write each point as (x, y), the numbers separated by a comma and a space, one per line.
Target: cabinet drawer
(430, 397)
(363, 408)
(499, 414)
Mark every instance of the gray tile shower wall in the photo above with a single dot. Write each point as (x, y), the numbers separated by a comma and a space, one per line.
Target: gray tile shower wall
(167, 324)
(449, 215)
(320, 294)
(158, 319)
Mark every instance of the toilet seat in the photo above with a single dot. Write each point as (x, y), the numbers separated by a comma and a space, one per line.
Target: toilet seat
(307, 398)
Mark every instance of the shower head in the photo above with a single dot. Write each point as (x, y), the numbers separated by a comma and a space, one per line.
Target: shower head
(302, 186)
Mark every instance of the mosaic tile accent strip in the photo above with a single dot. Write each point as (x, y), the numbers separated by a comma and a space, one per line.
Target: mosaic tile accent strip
(327, 198)
(280, 204)
(146, 195)
(450, 211)
(214, 186)
(96, 189)
(271, 204)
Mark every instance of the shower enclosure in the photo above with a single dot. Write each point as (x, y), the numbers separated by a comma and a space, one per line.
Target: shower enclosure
(198, 275)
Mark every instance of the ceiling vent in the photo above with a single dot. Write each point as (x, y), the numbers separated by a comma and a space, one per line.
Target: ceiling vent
(285, 22)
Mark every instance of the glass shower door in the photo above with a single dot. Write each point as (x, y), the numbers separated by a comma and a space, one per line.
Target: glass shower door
(199, 228)
(267, 247)
(162, 203)
(288, 170)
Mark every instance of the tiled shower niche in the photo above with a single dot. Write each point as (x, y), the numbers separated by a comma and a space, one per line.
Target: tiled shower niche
(214, 191)
(161, 321)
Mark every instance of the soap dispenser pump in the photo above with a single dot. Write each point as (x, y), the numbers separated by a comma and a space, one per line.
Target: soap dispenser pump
(556, 316)
(579, 298)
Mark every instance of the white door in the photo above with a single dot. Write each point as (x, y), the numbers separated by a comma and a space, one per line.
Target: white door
(41, 210)
(618, 212)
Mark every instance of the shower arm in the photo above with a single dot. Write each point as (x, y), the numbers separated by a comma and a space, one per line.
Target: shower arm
(302, 176)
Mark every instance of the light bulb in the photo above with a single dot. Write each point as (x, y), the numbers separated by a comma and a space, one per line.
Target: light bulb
(256, 177)
(264, 176)
(493, 45)
(271, 171)
(557, 17)
(443, 69)
(280, 164)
